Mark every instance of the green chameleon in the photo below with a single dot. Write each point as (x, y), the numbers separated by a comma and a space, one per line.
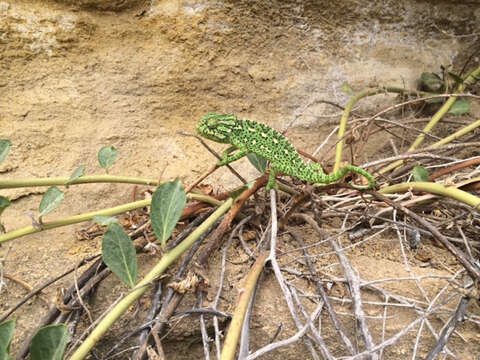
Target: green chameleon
(251, 136)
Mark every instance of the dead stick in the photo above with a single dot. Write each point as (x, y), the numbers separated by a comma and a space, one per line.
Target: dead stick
(452, 168)
(214, 240)
(44, 285)
(472, 269)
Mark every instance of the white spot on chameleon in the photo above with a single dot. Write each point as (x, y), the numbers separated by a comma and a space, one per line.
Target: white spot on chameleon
(254, 142)
(275, 141)
(285, 151)
(251, 129)
(264, 135)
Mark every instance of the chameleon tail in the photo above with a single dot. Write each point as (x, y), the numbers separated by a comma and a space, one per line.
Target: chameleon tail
(366, 174)
(320, 177)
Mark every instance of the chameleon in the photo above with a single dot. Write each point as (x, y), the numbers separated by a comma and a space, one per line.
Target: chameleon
(245, 136)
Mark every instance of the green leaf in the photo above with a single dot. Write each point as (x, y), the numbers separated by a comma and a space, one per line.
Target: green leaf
(6, 334)
(4, 203)
(119, 254)
(458, 80)
(258, 161)
(107, 155)
(49, 343)
(4, 147)
(431, 82)
(104, 219)
(78, 172)
(459, 107)
(50, 200)
(419, 173)
(347, 88)
(168, 201)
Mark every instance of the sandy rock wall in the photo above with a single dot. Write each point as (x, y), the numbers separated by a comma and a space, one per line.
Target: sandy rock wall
(80, 75)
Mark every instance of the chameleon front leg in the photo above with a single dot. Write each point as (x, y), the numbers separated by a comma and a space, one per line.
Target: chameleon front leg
(227, 158)
(228, 151)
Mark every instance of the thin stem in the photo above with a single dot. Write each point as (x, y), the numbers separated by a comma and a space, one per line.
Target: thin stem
(87, 179)
(348, 108)
(89, 216)
(233, 334)
(436, 117)
(435, 188)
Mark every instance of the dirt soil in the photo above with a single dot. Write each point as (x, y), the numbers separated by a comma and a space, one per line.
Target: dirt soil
(77, 75)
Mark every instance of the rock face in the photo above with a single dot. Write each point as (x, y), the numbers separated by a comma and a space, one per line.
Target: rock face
(80, 74)
(102, 5)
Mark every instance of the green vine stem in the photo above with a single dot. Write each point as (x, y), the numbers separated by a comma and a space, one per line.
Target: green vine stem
(87, 179)
(469, 77)
(443, 141)
(348, 108)
(88, 216)
(456, 134)
(72, 220)
(435, 188)
(142, 286)
(233, 333)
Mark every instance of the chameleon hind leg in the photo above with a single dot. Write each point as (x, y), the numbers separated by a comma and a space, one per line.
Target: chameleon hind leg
(271, 179)
(227, 158)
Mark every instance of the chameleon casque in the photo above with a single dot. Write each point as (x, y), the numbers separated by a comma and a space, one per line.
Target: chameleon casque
(250, 136)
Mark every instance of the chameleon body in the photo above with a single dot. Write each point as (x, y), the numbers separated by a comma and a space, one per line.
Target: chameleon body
(246, 136)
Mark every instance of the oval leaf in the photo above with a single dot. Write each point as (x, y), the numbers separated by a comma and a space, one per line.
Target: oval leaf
(459, 107)
(104, 219)
(6, 334)
(168, 201)
(431, 82)
(4, 203)
(258, 161)
(4, 147)
(107, 155)
(50, 200)
(49, 343)
(119, 254)
(419, 173)
(78, 172)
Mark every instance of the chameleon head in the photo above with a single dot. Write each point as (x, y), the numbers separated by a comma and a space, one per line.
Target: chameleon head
(216, 127)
